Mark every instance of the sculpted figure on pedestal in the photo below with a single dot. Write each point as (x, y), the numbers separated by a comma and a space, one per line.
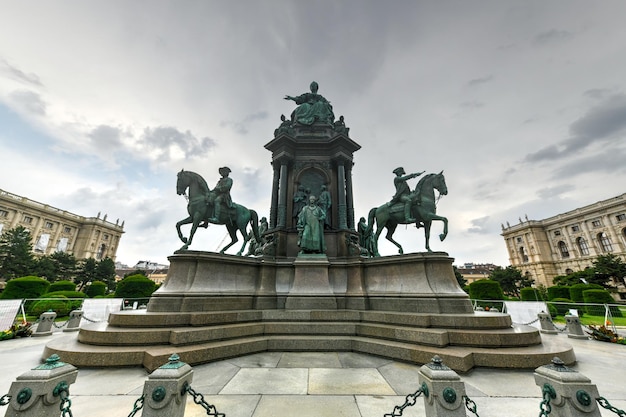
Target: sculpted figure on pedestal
(311, 228)
(312, 107)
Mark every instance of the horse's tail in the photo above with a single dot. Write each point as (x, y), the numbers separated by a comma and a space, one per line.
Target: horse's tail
(370, 220)
(254, 222)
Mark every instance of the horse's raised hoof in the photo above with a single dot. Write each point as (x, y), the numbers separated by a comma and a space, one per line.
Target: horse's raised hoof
(442, 237)
(184, 239)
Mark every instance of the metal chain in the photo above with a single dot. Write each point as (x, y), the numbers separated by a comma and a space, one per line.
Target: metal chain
(529, 323)
(65, 404)
(561, 329)
(137, 406)
(199, 399)
(92, 321)
(605, 404)
(60, 326)
(410, 401)
(548, 393)
(5, 399)
(470, 405)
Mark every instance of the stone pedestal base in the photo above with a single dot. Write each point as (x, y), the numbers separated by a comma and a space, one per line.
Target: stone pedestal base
(311, 288)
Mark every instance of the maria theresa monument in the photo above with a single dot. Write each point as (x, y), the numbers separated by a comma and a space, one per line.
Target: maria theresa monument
(314, 279)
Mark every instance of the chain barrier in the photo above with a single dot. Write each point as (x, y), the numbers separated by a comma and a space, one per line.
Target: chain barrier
(62, 391)
(548, 394)
(199, 399)
(60, 326)
(529, 323)
(604, 403)
(92, 321)
(137, 406)
(470, 405)
(410, 401)
(561, 329)
(5, 399)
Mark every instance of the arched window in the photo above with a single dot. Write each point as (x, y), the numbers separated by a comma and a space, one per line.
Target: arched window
(101, 252)
(523, 254)
(582, 246)
(605, 242)
(569, 271)
(563, 250)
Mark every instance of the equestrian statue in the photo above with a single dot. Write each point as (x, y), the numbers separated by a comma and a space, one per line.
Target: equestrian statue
(214, 206)
(408, 207)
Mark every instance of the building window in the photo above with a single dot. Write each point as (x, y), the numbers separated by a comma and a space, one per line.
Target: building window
(67, 229)
(557, 233)
(575, 228)
(28, 219)
(519, 240)
(101, 252)
(4, 213)
(596, 223)
(42, 243)
(620, 217)
(523, 254)
(49, 225)
(105, 237)
(605, 242)
(563, 250)
(582, 246)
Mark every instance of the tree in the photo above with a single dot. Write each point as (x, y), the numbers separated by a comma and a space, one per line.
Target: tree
(105, 271)
(65, 264)
(586, 275)
(607, 267)
(510, 279)
(86, 272)
(459, 277)
(16, 253)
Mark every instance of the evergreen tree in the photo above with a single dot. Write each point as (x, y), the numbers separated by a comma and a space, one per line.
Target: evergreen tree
(607, 267)
(459, 277)
(105, 272)
(86, 272)
(16, 253)
(510, 279)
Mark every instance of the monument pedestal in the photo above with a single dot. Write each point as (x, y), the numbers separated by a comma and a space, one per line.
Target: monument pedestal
(311, 288)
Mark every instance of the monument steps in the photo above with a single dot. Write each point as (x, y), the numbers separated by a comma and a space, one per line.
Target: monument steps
(464, 340)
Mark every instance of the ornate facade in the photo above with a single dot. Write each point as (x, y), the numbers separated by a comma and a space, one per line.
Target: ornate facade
(567, 242)
(56, 230)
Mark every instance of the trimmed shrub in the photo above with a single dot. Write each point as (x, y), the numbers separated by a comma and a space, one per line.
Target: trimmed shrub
(576, 291)
(25, 287)
(601, 297)
(62, 286)
(529, 294)
(558, 291)
(562, 305)
(486, 289)
(74, 304)
(135, 286)
(97, 288)
(57, 303)
(552, 310)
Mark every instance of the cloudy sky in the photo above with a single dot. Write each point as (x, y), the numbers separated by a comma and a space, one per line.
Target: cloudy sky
(521, 103)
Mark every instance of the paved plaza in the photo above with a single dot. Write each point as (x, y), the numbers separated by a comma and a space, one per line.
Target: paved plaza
(318, 384)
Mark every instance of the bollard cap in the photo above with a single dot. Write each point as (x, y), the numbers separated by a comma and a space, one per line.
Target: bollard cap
(557, 371)
(174, 368)
(436, 370)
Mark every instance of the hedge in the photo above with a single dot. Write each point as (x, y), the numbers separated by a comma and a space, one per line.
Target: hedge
(62, 286)
(576, 291)
(486, 289)
(25, 287)
(57, 303)
(529, 294)
(563, 305)
(600, 297)
(558, 291)
(135, 286)
(97, 288)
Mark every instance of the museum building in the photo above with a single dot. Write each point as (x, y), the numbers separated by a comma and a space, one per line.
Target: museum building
(567, 242)
(55, 230)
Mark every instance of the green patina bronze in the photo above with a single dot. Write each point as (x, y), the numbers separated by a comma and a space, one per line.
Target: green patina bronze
(52, 362)
(422, 208)
(311, 228)
(214, 206)
(312, 108)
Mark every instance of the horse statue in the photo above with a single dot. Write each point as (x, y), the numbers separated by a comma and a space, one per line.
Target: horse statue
(200, 210)
(423, 209)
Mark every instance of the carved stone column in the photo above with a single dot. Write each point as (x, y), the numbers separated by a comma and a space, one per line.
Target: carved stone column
(349, 199)
(282, 196)
(341, 194)
(274, 202)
